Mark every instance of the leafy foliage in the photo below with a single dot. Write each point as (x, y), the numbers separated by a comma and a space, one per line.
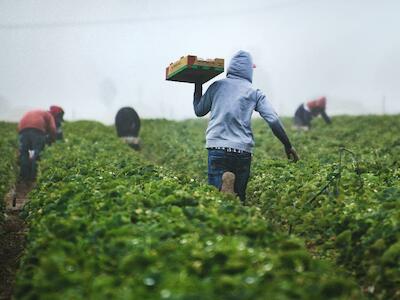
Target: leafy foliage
(347, 209)
(8, 162)
(106, 224)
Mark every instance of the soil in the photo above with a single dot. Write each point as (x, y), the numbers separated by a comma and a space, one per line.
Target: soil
(12, 238)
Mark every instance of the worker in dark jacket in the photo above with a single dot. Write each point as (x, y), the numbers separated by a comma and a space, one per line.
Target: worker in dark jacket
(58, 114)
(127, 123)
(307, 111)
(229, 138)
(32, 129)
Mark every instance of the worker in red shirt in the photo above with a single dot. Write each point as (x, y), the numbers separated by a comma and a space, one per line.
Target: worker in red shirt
(32, 129)
(307, 111)
(58, 114)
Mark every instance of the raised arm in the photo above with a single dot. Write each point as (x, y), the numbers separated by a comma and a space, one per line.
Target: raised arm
(201, 104)
(268, 113)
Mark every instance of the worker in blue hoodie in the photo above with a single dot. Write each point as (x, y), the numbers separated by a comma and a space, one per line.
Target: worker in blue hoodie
(229, 138)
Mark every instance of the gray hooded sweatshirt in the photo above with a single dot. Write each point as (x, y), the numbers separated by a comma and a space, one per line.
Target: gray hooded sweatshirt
(232, 101)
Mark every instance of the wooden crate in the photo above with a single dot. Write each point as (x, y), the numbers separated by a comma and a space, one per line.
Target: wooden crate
(192, 69)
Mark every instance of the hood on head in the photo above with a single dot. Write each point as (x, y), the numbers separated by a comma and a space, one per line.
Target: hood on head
(241, 65)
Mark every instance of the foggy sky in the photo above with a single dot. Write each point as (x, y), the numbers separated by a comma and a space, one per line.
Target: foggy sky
(92, 57)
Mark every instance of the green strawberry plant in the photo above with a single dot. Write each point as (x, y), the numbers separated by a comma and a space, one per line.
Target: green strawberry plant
(8, 161)
(346, 209)
(104, 223)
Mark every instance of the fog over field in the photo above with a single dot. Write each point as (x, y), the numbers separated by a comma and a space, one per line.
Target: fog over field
(92, 57)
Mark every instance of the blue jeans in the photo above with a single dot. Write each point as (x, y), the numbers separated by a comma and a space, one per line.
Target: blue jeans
(220, 161)
(30, 139)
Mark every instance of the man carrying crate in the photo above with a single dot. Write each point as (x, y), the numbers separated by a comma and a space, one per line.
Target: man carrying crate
(229, 138)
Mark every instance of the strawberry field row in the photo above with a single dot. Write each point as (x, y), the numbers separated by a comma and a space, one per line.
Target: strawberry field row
(342, 197)
(105, 224)
(8, 163)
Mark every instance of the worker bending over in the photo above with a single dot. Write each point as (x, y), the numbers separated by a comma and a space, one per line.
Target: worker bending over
(127, 123)
(307, 111)
(32, 130)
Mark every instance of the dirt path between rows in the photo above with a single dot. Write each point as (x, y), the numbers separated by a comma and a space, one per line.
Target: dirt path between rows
(12, 238)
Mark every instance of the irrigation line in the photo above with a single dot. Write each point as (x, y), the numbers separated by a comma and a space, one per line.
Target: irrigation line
(337, 175)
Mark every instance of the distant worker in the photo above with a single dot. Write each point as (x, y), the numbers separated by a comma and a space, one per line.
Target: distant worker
(32, 129)
(127, 123)
(229, 138)
(58, 113)
(307, 111)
